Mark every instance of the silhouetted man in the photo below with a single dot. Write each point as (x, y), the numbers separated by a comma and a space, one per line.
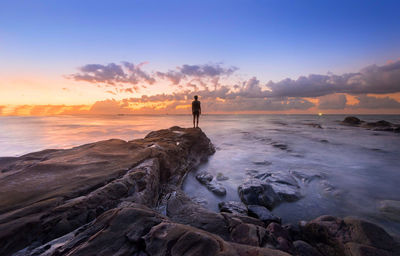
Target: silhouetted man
(196, 110)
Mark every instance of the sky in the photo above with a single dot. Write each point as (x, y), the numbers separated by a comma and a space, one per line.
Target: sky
(152, 57)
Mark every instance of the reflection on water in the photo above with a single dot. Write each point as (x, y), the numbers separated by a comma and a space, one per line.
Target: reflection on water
(355, 168)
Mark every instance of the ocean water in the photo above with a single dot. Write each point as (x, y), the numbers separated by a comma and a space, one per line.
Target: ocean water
(355, 169)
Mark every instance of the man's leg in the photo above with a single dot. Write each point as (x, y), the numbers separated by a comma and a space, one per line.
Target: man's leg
(194, 116)
(198, 120)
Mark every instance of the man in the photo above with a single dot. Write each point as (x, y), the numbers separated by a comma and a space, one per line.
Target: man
(196, 110)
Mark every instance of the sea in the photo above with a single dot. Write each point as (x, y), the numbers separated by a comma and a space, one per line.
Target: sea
(353, 170)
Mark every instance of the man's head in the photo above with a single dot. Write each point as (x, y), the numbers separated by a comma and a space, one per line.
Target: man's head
(196, 97)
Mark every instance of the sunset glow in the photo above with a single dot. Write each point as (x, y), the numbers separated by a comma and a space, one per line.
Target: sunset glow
(276, 58)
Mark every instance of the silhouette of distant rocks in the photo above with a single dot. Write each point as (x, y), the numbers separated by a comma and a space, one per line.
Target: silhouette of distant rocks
(376, 126)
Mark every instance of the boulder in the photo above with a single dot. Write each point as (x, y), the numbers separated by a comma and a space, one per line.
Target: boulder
(331, 234)
(269, 189)
(304, 249)
(263, 214)
(233, 207)
(204, 178)
(352, 120)
(207, 180)
(258, 192)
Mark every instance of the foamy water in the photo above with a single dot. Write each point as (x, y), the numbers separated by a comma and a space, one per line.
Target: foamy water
(358, 168)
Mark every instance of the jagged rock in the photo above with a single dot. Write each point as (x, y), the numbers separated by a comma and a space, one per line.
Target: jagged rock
(207, 180)
(177, 239)
(381, 125)
(232, 207)
(46, 194)
(304, 249)
(280, 238)
(263, 214)
(269, 189)
(258, 192)
(315, 125)
(354, 249)
(204, 178)
(124, 198)
(330, 235)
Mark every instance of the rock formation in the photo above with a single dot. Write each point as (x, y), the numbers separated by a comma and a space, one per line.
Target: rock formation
(123, 198)
(376, 126)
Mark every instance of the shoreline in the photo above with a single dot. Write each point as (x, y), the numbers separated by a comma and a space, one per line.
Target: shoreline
(125, 197)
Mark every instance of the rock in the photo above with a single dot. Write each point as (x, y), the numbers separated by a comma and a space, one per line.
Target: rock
(281, 146)
(330, 235)
(283, 184)
(207, 180)
(204, 178)
(304, 249)
(381, 125)
(221, 177)
(216, 188)
(232, 207)
(352, 120)
(46, 194)
(258, 192)
(280, 238)
(391, 209)
(263, 214)
(269, 189)
(315, 125)
(177, 239)
(354, 249)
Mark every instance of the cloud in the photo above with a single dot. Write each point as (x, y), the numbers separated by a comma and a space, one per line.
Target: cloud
(370, 102)
(206, 70)
(196, 73)
(113, 74)
(333, 101)
(372, 79)
(109, 107)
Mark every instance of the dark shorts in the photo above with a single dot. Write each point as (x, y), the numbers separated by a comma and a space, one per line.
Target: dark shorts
(196, 113)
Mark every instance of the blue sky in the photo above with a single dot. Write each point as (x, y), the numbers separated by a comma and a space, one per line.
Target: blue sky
(269, 39)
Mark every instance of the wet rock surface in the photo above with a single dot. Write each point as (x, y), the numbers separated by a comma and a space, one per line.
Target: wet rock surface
(208, 181)
(263, 214)
(269, 189)
(124, 198)
(233, 207)
(381, 125)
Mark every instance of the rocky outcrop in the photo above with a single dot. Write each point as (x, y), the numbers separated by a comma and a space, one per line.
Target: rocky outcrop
(376, 126)
(47, 194)
(123, 198)
(348, 236)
